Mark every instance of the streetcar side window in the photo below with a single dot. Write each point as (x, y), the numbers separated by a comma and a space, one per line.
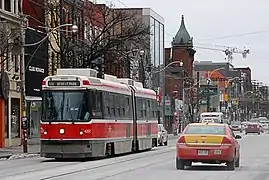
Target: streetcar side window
(112, 104)
(154, 109)
(117, 105)
(144, 108)
(107, 104)
(127, 107)
(96, 103)
(139, 108)
(148, 108)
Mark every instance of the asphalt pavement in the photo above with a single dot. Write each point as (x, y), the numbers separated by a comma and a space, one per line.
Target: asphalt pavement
(33, 150)
(157, 164)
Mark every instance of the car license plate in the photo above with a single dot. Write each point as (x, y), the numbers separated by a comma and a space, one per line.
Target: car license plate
(202, 152)
(218, 152)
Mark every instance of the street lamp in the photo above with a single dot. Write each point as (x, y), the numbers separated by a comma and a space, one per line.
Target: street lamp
(23, 70)
(74, 30)
(174, 62)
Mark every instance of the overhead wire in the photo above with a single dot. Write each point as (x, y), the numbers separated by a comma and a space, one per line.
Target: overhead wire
(201, 45)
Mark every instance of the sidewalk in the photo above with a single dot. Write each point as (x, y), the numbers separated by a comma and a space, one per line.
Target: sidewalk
(17, 150)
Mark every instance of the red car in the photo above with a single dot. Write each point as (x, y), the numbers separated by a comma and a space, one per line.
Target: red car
(208, 143)
(253, 128)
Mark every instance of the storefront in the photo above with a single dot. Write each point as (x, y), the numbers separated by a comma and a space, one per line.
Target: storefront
(34, 112)
(36, 71)
(12, 121)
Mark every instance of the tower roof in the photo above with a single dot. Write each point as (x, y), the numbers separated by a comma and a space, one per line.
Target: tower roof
(182, 37)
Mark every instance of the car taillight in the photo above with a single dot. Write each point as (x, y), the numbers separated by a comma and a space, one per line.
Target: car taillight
(226, 141)
(181, 140)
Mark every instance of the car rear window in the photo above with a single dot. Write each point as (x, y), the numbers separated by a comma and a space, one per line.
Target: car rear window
(206, 129)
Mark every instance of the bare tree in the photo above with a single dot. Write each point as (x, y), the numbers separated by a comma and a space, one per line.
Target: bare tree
(104, 32)
(9, 41)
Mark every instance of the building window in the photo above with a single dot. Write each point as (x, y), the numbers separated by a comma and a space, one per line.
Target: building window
(15, 119)
(15, 122)
(15, 60)
(152, 44)
(8, 5)
(7, 61)
(157, 43)
(6, 121)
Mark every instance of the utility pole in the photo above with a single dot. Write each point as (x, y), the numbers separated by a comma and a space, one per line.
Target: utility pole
(208, 95)
(197, 91)
(23, 89)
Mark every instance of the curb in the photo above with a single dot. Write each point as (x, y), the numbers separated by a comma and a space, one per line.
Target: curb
(18, 156)
(5, 156)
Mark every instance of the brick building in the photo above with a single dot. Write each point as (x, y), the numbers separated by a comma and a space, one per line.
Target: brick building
(178, 76)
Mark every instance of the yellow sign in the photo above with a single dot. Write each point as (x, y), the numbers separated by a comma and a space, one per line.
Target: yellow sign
(226, 97)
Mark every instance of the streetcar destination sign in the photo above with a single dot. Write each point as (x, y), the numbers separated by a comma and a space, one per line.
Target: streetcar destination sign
(63, 83)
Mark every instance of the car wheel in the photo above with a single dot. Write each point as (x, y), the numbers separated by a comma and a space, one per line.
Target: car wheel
(180, 164)
(237, 162)
(231, 165)
(241, 131)
(259, 133)
(246, 133)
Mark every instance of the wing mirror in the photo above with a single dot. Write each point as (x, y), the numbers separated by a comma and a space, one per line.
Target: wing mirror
(238, 137)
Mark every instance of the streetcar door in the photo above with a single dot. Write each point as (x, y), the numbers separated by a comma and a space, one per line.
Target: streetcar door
(134, 115)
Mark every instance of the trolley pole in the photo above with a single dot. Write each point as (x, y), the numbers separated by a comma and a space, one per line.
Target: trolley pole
(23, 90)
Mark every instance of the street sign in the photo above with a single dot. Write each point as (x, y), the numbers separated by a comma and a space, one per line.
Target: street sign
(213, 90)
(167, 102)
(168, 111)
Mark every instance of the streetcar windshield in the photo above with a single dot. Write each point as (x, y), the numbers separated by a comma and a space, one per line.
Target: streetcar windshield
(65, 106)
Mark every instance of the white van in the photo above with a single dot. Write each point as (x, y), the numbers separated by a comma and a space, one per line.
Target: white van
(211, 117)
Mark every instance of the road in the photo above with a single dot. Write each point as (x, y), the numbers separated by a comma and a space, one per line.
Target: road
(158, 164)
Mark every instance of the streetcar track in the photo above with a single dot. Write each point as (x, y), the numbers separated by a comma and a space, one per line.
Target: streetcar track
(101, 166)
(53, 161)
(25, 165)
(31, 171)
(129, 170)
(85, 169)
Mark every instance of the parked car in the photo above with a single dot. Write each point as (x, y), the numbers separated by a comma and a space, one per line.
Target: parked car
(236, 126)
(264, 123)
(253, 127)
(258, 121)
(162, 135)
(244, 124)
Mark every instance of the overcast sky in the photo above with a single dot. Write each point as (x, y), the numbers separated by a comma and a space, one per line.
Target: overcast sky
(244, 21)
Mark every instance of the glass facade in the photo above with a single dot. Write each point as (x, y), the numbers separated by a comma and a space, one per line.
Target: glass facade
(157, 51)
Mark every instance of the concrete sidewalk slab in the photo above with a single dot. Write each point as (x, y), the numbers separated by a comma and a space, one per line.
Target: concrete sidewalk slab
(16, 150)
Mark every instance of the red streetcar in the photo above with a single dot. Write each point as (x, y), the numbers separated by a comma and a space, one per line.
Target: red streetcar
(85, 116)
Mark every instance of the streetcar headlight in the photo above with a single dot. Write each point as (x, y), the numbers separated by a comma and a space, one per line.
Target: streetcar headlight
(81, 132)
(61, 131)
(45, 132)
